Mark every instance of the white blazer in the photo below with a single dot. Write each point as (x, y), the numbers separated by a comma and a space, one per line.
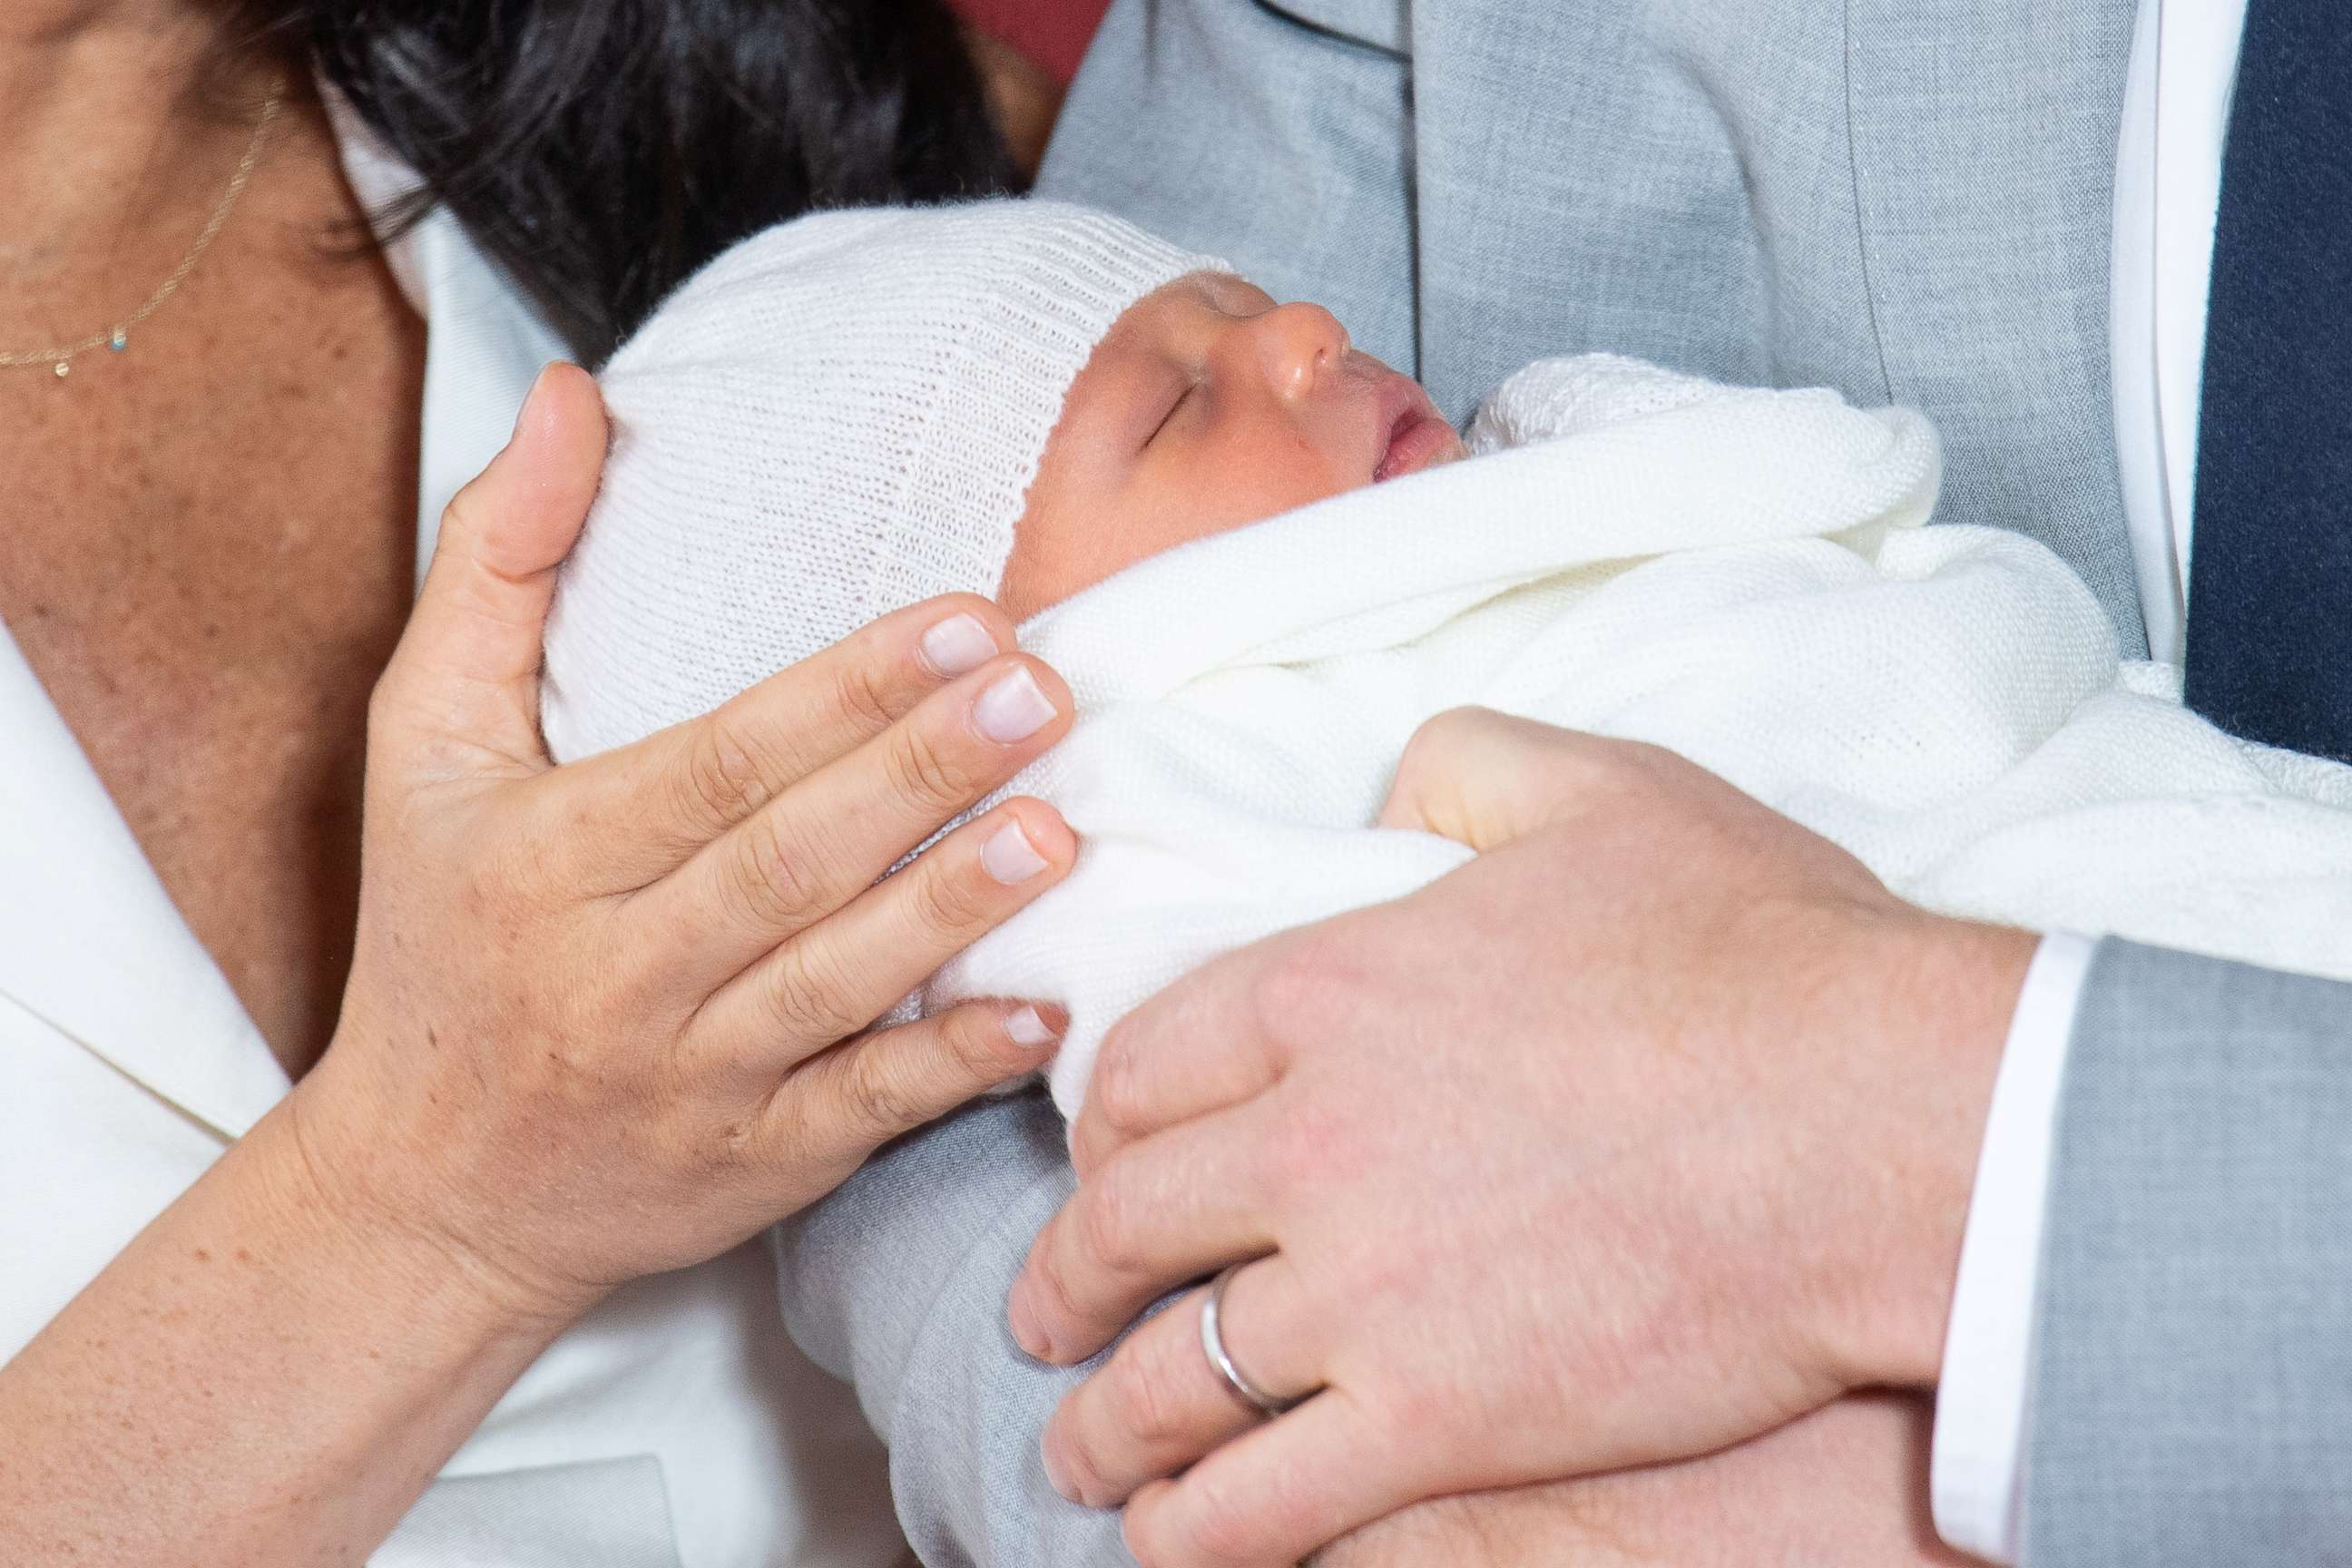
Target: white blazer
(676, 1427)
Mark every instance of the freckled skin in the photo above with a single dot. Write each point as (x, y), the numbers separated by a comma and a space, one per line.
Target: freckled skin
(207, 548)
(1205, 408)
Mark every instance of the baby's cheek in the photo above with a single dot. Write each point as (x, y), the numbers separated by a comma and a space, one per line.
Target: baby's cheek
(1073, 537)
(1281, 467)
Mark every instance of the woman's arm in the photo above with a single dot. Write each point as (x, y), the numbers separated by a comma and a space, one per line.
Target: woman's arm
(263, 1376)
(603, 1021)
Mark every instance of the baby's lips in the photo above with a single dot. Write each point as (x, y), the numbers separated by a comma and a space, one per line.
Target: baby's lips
(1412, 436)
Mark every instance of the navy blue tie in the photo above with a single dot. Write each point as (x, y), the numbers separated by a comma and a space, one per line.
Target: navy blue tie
(2270, 571)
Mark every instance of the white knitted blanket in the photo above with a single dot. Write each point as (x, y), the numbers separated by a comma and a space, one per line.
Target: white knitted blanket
(1736, 574)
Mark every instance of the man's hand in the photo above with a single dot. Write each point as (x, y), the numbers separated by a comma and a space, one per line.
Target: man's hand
(1845, 1487)
(1648, 1131)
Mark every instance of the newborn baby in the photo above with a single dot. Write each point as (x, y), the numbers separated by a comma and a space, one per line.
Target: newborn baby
(858, 410)
(1207, 406)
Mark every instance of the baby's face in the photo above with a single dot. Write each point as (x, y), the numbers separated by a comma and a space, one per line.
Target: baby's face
(1208, 406)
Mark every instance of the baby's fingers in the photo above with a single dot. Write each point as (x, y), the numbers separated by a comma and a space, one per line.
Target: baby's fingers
(837, 976)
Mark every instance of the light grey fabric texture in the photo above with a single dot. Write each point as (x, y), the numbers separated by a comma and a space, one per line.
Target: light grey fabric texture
(2194, 1396)
(897, 1285)
(1902, 200)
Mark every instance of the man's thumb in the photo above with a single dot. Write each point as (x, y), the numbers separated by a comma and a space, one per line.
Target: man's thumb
(1484, 778)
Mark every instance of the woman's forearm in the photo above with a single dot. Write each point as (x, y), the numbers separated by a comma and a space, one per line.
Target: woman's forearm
(261, 1377)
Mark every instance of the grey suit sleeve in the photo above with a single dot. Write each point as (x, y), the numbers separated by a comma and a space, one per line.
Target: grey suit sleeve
(896, 1283)
(2192, 1401)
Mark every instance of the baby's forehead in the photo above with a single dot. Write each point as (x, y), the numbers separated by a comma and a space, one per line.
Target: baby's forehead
(1213, 289)
(1162, 320)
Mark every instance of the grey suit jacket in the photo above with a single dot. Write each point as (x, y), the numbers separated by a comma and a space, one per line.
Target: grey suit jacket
(1908, 200)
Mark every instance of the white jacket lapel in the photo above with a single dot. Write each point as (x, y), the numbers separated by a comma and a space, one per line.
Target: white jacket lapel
(485, 344)
(90, 942)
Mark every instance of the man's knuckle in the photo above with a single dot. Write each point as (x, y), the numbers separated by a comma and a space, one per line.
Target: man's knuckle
(1052, 1297)
(1146, 1401)
(1115, 1092)
(1303, 992)
(1106, 1221)
(1426, 1406)
(1157, 1533)
(1308, 1151)
(1080, 1464)
(1223, 1528)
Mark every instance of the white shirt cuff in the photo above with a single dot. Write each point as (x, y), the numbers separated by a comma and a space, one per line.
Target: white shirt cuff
(1984, 1401)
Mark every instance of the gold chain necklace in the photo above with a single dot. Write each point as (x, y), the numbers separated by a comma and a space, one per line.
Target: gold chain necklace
(118, 337)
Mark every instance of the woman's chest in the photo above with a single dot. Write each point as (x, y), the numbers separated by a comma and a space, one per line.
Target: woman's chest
(206, 566)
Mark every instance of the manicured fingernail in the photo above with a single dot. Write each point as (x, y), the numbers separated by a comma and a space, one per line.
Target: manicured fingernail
(1013, 708)
(957, 646)
(1056, 1473)
(531, 392)
(1023, 1321)
(1028, 1026)
(531, 396)
(1009, 858)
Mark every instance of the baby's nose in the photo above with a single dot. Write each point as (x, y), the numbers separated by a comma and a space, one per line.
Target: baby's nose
(1299, 344)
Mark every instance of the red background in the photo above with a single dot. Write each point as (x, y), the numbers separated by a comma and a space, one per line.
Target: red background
(1054, 33)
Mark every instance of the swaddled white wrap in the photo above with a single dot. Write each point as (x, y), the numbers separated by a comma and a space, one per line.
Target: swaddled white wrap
(1736, 574)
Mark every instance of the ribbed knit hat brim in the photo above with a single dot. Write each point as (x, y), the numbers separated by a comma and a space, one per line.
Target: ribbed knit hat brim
(835, 419)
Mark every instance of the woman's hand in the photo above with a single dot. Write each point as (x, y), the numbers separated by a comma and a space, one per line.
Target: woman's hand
(603, 1020)
(1648, 1131)
(607, 1019)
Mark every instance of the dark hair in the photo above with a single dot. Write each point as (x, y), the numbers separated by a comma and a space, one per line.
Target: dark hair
(602, 150)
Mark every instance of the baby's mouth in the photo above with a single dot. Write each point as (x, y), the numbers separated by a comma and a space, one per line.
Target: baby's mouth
(1416, 438)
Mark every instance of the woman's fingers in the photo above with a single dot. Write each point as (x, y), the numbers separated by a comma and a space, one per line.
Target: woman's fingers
(675, 792)
(822, 842)
(1170, 1208)
(1276, 1495)
(865, 1091)
(1158, 1404)
(462, 689)
(839, 975)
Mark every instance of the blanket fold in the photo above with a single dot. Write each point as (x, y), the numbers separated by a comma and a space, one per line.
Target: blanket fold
(1737, 574)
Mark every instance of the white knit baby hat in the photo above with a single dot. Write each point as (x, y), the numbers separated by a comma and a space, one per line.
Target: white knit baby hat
(835, 419)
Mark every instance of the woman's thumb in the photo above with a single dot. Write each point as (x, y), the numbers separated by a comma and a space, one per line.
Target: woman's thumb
(462, 689)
